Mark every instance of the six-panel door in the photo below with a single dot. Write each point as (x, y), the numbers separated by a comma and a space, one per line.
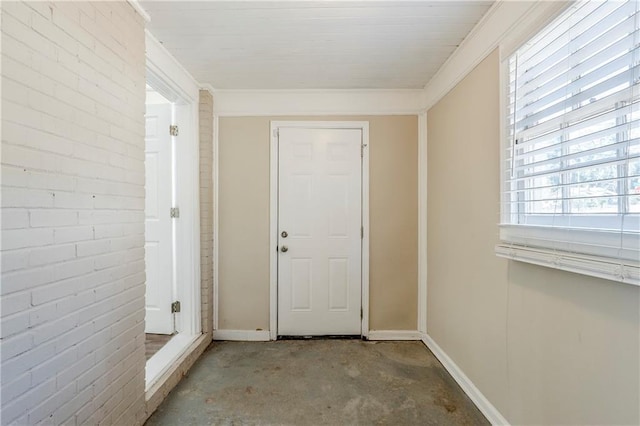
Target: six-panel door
(319, 231)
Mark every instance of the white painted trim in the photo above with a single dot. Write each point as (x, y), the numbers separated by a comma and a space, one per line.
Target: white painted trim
(273, 215)
(594, 266)
(174, 365)
(484, 405)
(539, 16)
(216, 215)
(365, 224)
(242, 335)
(506, 22)
(394, 335)
(422, 223)
(163, 360)
(209, 88)
(317, 102)
(273, 232)
(166, 75)
(138, 8)
(188, 225)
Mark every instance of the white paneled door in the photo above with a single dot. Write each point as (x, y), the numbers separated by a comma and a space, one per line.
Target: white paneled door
(319, 231)
(158, 225)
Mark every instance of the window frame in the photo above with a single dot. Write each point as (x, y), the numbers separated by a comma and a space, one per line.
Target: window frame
(612, 255)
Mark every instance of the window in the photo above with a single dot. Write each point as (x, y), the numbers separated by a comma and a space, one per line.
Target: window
(571, 175)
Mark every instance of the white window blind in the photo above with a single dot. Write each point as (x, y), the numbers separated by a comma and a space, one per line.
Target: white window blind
(572, 159)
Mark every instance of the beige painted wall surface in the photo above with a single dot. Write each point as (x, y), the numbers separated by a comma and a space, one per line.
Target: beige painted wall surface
(545, 346)
(244, 220)
(243, 200)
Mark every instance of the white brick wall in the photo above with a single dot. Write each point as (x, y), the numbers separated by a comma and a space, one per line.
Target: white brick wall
(72, 246)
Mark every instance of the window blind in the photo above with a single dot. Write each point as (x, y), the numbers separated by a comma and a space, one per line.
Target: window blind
(572, 162)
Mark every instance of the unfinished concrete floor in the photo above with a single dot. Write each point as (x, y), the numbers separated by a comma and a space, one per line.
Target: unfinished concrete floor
(313, 382)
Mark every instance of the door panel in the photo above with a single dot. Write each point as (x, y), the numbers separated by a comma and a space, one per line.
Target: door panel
(338, 284)
(158, 226)
(301, 280)
(319, 207)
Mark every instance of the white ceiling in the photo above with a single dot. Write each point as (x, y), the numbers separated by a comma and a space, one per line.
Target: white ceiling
(313, 44)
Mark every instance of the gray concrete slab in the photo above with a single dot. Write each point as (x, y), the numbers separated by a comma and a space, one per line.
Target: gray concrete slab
(316, 382)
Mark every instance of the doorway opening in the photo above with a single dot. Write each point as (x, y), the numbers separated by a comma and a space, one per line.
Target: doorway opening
(319, 228)
(172, 289)
(160, 321)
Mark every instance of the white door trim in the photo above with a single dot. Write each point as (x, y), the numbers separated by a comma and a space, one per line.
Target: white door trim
(273, 215)
(188, 225)
(170, 79)
(167, 76)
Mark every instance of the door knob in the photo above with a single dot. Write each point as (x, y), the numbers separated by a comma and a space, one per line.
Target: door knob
(284, 249)
(284, 234)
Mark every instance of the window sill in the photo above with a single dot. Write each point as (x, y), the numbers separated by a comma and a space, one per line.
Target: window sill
(611, 269)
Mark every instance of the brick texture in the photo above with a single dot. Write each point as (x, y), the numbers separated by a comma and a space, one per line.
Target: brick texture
(206, 209)
(72, 310)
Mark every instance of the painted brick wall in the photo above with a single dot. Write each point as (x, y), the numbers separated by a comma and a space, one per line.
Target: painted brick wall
(72, 309)
(206, 208)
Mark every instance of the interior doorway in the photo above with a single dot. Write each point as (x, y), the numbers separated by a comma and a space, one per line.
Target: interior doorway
(172, 290)
(320, 228)
(159, 231)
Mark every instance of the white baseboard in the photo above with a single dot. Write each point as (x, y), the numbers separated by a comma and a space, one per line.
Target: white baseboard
(490, 412)
(394, 335)
(242, 335)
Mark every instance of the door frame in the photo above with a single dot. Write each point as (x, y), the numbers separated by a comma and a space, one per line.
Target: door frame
(273, 214)
(166, 76)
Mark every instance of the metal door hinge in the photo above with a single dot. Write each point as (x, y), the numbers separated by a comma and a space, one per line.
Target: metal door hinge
(361, 313)
(362, 232)
(173, 130)
(276, 133)
(174, 212)
(362, 147)
(175, 307)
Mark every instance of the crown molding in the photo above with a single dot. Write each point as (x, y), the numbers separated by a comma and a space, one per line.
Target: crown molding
(505, 23)
(209, 88)
(163, 67)
(138, 8)
(317, 102)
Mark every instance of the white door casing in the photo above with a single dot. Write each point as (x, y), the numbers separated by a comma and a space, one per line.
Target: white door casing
(320, 210)
(167, 77)
(158, 223)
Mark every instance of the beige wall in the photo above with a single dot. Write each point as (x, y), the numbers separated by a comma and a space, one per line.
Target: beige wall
(545, 346)
(244, 221)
